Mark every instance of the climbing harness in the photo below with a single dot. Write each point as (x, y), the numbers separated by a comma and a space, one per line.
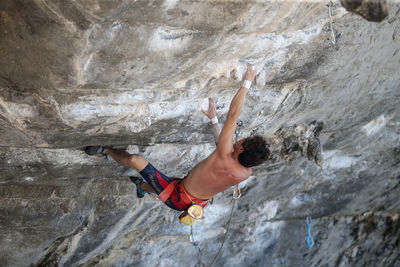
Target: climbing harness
(330, 13)
(194, 213)
(195, 210)
(310, 240)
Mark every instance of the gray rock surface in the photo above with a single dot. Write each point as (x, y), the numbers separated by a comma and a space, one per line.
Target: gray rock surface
(372, 10)
(136, 74)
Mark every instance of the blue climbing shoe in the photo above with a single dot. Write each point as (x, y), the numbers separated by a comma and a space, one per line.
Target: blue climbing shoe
(95, 150)
(137, 181)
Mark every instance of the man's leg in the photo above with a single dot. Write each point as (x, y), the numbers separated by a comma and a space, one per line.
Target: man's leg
(134, 161)
(146, 187)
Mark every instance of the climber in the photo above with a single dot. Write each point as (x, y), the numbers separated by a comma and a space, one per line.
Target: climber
(228, 164)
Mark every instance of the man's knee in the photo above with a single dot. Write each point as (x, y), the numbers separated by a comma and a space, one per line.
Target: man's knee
(137, 162)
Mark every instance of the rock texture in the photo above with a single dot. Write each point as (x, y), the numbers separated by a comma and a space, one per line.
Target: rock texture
(372, 10)
(136, 74)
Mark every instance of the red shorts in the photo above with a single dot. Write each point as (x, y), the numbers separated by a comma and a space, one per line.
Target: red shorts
(180, 199)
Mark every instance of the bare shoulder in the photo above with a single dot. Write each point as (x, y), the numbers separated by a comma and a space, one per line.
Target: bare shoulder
(219, 157)
(223, 162)
(240, 171)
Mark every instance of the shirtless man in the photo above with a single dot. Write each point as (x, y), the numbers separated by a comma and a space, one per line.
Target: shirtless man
(228, 165)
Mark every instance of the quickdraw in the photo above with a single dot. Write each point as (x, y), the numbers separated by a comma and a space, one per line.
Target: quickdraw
(236, 190)
(330, 13)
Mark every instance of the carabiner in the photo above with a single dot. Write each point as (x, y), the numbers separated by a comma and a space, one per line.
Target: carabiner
(308, 219)
(236, 192)
(330, 13)
(330, 5)
(239, 124)
(310, 240)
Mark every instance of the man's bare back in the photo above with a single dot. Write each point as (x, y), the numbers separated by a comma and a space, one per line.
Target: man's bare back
(215, 174)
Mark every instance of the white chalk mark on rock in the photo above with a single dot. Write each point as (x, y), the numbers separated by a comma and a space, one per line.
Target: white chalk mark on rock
(374, 126)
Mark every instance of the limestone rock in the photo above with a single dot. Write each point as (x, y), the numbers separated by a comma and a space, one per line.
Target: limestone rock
(137, 73)
(372, 10)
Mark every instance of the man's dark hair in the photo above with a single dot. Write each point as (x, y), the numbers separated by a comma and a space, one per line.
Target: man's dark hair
(255, 151)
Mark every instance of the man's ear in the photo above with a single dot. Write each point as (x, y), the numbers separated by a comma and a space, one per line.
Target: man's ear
(241, 149)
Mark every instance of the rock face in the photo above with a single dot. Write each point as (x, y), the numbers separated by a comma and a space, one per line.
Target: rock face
(372, 10)
(137, 73)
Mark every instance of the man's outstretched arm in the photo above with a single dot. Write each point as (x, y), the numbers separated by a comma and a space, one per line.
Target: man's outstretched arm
(225, 142)
(212, 115)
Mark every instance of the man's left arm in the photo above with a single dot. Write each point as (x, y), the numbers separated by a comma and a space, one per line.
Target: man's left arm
(225, 140)
(212, 115)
